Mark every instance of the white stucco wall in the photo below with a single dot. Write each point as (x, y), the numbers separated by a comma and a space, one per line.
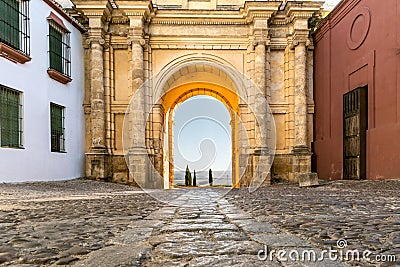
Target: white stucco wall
(35, 161)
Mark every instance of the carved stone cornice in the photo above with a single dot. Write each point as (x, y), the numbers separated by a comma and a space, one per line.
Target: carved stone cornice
(88, 11)
(198, 22)
(137, 9)
(259, 10)
(190, 42)
(301, 10)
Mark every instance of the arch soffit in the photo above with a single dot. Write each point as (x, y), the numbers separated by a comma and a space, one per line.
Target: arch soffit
(183, 92)
(200, 66)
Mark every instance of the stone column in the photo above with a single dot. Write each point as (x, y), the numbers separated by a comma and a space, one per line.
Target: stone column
(138, 159)
(300, 96)
(97, 166)
(137, 63)
(302, 155)
(245, 136)
(259, 72)
(97, 115)
(261, 152)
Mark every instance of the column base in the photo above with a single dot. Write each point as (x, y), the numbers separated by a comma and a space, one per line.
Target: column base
(258, 166)
(308, 179)
(263, 158)
(97, 164)
(288, 167)
(142, 171)
(300, 150)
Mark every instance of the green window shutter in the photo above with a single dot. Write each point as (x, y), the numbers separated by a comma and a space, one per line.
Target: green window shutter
(2, 20)
(10, 118)
(9, 22)
(56, 49)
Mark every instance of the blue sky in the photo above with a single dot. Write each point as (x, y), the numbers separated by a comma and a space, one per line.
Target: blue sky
(330, 4)
(202, 135)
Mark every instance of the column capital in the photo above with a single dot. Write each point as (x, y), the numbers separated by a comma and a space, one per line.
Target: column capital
(89, 41)
(299, 41)
(95, 35)
(137, 40)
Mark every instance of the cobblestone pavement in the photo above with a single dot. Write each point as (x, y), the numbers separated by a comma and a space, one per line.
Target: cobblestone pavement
(364, 213)
(58, 222)
(87, 223)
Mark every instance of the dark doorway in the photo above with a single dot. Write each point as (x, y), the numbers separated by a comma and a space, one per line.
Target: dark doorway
(355, 124)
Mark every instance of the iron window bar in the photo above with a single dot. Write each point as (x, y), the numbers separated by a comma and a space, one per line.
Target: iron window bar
(14, 24)
(57, 120)
(59, 49)
(11, 133)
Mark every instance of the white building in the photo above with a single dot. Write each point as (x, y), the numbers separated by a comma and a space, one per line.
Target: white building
(42, 127)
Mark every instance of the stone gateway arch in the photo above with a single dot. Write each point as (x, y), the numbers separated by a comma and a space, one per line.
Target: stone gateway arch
(142, 58)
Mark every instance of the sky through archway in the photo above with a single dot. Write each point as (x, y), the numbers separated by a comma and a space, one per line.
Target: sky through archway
(202, 140)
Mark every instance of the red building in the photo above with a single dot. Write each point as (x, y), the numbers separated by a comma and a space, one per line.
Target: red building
(357, 91)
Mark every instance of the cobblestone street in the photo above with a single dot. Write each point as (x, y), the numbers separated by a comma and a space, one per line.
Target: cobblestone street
(88, 223)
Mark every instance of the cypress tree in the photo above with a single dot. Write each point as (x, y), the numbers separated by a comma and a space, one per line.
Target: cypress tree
(187, 176)
(210, 177)
(194, 178)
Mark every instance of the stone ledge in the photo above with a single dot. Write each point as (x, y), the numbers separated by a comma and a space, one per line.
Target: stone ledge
(58, 76)
(13, 55)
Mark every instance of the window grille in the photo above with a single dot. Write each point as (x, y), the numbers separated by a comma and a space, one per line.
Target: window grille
(14, 24)
(10, 117)
(57, 128)
(59, 50)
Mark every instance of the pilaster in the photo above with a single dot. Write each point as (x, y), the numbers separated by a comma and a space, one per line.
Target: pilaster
(97, 158)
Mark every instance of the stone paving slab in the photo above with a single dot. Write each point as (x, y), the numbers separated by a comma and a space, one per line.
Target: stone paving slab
(125, 256)
(132, 236)
(231, 260)
(280, 240)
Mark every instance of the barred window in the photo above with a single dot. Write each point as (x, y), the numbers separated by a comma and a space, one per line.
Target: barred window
(14, 24)
(59, 50)
(10, 117)
(57, 128)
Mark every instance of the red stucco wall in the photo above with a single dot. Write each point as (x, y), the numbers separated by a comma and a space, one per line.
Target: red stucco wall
(343, 62)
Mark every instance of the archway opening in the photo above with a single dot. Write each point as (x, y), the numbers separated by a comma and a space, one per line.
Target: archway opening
(202, 141)
(149, 128)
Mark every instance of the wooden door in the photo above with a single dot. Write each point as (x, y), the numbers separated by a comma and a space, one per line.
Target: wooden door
(355, 122)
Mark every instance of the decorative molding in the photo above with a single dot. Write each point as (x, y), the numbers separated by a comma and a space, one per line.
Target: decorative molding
(369, 62)
(199, 22)
(365, 13)
(60, 10)
(336, 15)
(278, 46)
(119, 20)
(57, 21)
(199, 43)
(13, 55)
